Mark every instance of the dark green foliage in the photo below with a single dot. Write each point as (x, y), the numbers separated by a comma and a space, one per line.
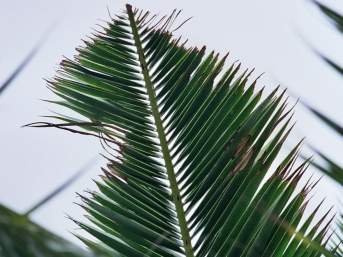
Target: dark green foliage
(21, 237)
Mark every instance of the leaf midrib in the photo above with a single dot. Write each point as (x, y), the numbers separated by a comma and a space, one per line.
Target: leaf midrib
(176, 196)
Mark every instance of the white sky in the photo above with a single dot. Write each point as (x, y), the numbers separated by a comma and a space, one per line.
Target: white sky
(266, 35)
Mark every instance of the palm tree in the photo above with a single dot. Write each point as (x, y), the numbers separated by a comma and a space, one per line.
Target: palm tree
(190, 149)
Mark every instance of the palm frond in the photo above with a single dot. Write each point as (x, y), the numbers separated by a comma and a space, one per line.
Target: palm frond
(21, 237)
(334, 17)
(330, 167)
(27, 59)
(336, 20)
(192, 150)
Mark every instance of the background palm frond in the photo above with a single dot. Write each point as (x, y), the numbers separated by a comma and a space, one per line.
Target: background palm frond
(21, 237)
(329, 167)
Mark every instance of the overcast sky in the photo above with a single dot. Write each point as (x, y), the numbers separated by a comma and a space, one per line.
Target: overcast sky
(270, 36)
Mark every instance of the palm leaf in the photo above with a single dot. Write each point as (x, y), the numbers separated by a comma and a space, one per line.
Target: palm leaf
(336, 20)
(21, 237)
(192, 151)
(27, 59)
(330, 168)
(334, 17)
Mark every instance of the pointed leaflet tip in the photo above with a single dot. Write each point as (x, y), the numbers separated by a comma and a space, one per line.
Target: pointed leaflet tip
(296, 175)
(107, 174)
(68, 216)
(322, 219)
(328, 239)
(283, 92)
(299, 175)
(286, 135)
(182, 24)
(235, 61)
(129, 7)
(224, 58)
(260, 75)
(303, 207)
(183, 44)
(248, 73)
(102, 177)
(314, 185)
(307, 185)
(108, 10)
(284, 115)
(315, 211)
(288, 167)
(276, 89)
